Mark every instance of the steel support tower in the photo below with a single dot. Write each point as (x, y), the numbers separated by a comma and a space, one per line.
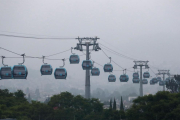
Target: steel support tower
(87, 42)
(163, 72)
(141, 64)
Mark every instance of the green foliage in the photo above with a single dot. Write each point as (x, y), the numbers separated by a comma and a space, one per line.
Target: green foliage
(114, 104)
(65, 106)
(162, 106)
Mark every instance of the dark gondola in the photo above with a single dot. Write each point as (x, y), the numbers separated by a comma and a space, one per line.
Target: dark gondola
(112, 78)
(46, 69)
(20, 72)
(144, 81)
(136, 75)
(95, 72)
(155, 80)
(87, 65)
(6, 73)
(146, 75)
(108, 68)
(151, 82)
(124, 78)
(135, 80)
(74, 59)
(60, 73)
(161, 83)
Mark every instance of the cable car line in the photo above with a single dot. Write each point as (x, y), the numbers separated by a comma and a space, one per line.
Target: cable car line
(111, 60)
(5, 32)
(58, 53)
(117, 52)
(19, 36)
(10, 51)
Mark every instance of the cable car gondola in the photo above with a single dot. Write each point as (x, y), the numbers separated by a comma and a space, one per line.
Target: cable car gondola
(154, 80)
(108, 68)
(74, 59)
(144, 81)
(159, 79)
(151, 82)
(60, 73)
(136, 75)
(6, 73)
(87, 65)
(161, 83)
(146, 75)
(135, 80)
(112, 78)
(46, 69)
(95, 72)
(124, 78)
(20, 72)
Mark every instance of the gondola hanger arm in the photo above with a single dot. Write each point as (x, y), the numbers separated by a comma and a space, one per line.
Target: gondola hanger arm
(23, 59)
(63, 62)
(3, 61)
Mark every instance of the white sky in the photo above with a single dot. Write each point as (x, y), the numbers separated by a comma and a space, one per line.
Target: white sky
(143, 29)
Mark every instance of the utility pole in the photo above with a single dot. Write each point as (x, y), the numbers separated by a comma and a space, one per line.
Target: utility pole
(163, 72)
(141, 64)
(87, 41)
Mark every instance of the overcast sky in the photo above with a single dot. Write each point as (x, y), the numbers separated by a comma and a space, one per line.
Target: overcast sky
(141, 29)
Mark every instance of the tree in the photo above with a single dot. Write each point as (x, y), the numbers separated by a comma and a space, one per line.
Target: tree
(121, 105)
(161, 106)
(110, 106)
(29, 98)
(114, 104)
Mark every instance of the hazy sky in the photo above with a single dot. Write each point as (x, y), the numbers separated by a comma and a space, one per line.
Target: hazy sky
(142, 29)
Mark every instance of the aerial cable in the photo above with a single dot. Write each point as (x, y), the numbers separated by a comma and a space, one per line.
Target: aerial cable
(111, 60)
(4, 32)
(10, 51)
(58, 53)
(153, 71)
(117, 52)
(19, 36)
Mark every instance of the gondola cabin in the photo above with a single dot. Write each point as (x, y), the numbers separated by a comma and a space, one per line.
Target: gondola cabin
(151, 82)
(108, 68)
(154, 80)
(135, 80)
(136, 75)
(74, 59)
(6, 73)
(87, 65)
(46, 69)
(95, 72)
(20, 72)
(112, 78)
(146, 75)
(60, 73)
(144, 81)
(159, 79)
(161, 83)
(124, 78)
